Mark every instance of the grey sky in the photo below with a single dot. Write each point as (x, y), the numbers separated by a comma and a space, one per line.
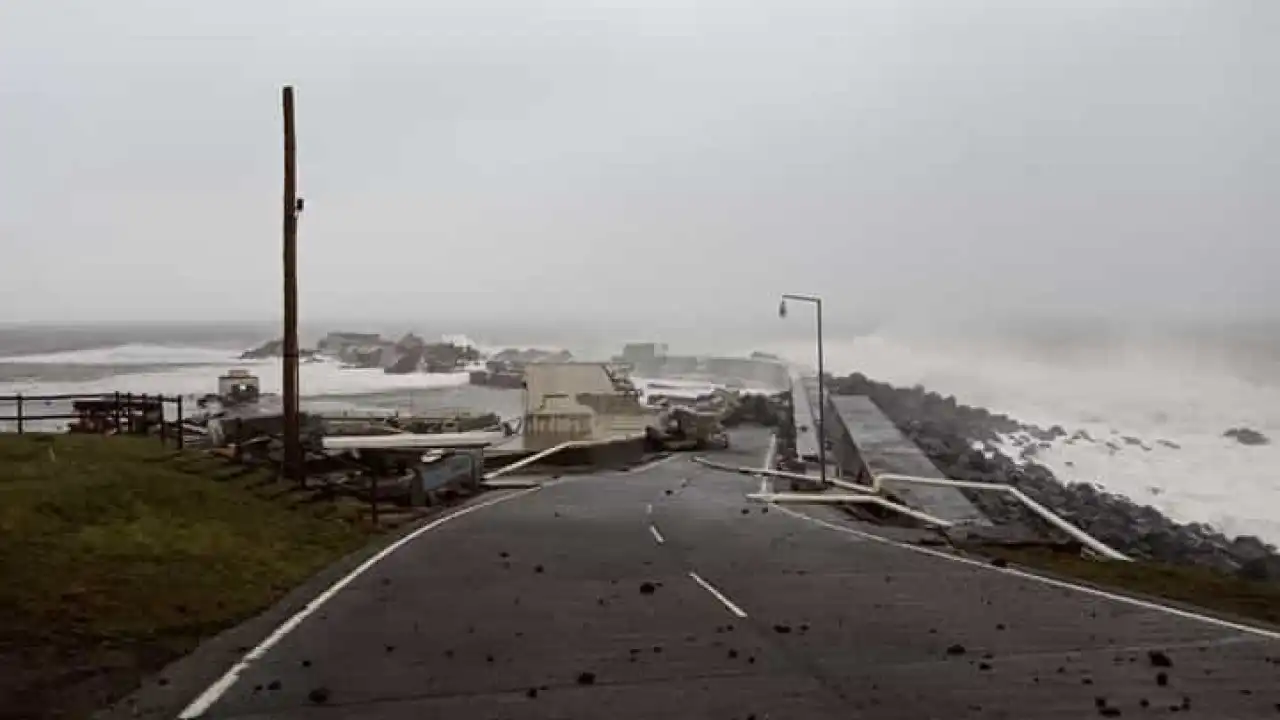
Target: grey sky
(563, 158)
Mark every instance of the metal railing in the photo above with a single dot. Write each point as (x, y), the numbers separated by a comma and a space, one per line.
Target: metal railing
(490, 479)
(874, 490)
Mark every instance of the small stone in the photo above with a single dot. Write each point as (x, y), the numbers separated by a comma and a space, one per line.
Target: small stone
(984, 666)
(531, 693)
(999, 626)
(1162, 679)
(1109, 711)
(746, 511)
(1000, 562)
(1159, 659)
(488, 658)
(956, 649)
(668, 492)
(391, 648)
(782, 629)
(1087, 681)
(306, 663)
(647, 588)
(537, 568)
(587, 678)
(319, 695)
(733, 654)
(273, 685)
(504, 554)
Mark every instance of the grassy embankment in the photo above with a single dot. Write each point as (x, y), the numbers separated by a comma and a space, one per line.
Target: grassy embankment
(1193, 587)
(118, 555)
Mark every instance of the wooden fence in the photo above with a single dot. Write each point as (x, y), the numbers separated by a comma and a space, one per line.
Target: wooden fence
(110, 413)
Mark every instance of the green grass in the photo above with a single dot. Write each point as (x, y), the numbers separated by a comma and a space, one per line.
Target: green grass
(1191, 586)
(118, 555)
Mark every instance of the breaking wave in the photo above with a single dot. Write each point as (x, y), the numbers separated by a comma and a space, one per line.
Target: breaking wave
(194, 371)
(1175, 410)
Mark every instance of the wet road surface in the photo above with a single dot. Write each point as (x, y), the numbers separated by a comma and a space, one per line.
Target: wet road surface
(665, 594)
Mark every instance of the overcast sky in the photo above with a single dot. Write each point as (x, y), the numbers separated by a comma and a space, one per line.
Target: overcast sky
(572, 159)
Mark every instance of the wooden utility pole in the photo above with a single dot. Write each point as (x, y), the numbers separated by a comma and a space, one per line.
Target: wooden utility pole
(293, 464)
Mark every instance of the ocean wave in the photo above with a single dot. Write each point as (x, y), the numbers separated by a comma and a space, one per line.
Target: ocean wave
(1149, 396)
(132, 354)
(315, 379)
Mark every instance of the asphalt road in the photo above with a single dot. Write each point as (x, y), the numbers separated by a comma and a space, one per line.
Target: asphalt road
(664, 594)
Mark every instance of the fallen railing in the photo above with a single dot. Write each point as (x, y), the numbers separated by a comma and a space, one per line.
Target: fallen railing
(874, 490)
(490, 479)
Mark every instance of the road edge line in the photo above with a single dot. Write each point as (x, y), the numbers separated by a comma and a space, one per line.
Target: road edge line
(214, 692)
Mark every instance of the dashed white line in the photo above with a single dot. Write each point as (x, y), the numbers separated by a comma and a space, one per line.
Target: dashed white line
(657, 536)
(215, 691)
(648, 509)
(718, 595)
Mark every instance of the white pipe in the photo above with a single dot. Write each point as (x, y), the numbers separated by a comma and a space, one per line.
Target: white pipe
(555, 449)
(854, 487)
(811, 498)
(754, 471)
(1045, 513)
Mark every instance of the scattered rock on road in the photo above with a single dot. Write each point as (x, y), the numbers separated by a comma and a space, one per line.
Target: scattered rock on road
(319, 695)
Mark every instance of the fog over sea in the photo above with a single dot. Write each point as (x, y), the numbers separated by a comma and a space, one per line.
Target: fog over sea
(1185, 385)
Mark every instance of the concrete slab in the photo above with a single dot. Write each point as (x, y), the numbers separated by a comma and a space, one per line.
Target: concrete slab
(884, 449)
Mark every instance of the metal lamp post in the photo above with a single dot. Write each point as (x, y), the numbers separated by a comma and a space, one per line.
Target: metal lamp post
(822, 392)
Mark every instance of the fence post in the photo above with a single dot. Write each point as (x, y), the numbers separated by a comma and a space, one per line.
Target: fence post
(164, 434)
(116, 413)
(180, 436)
(128, 411)
(18, 407)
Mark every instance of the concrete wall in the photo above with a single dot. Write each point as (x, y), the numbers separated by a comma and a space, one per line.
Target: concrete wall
(578, 401)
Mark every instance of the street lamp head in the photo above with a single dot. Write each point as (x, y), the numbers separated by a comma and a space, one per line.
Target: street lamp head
(782, 309)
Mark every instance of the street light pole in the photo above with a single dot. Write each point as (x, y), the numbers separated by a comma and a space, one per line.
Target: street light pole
(822, 392)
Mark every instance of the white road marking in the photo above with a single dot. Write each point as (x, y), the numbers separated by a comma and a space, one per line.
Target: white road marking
(656, 535)
(718, 595)
(214, 692)
(648, 509)
(1052, 582)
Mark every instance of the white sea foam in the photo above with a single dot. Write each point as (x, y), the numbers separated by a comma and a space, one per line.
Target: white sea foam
(1210, 478)
(185, 377)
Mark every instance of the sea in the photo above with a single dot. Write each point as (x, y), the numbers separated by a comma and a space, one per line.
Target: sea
(1175, 389)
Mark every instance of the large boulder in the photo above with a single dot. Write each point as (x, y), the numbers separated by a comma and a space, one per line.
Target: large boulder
(268, 349)
(1247, 436)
